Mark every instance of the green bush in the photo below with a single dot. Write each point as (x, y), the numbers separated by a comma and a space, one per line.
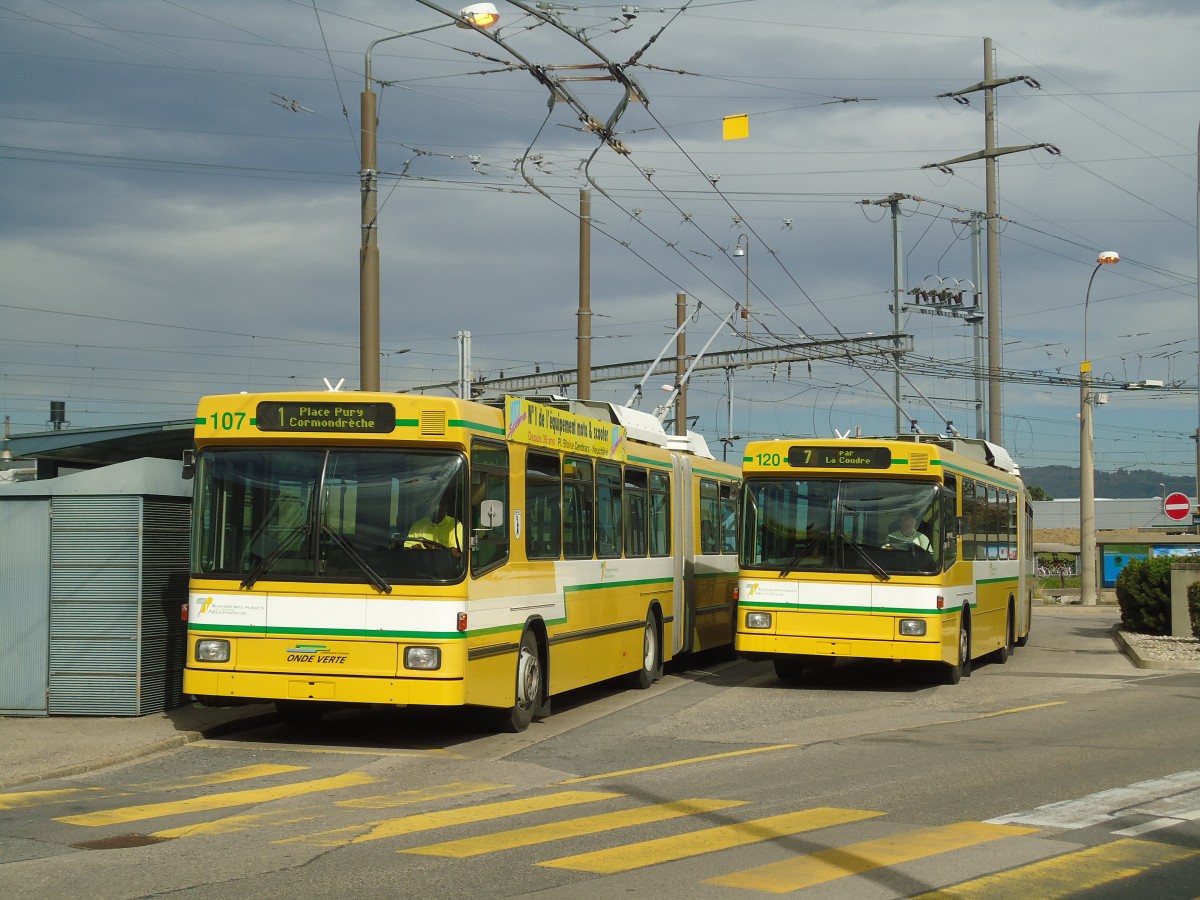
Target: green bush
(1193, 598)
(1144, 595)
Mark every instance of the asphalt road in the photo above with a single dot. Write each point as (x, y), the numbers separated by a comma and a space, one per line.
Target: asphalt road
(1065, 772)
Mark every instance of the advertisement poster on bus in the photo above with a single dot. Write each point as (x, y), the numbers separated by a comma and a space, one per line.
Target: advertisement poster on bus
(538, 425)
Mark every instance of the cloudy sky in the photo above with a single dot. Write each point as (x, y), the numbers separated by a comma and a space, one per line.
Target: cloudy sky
(180, 215)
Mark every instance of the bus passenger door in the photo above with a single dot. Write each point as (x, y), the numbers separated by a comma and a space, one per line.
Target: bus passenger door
(682, 556)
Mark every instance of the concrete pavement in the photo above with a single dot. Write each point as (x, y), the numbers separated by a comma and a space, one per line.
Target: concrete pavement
(42, 748)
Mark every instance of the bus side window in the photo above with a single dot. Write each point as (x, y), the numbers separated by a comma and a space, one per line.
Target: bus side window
(543, 506)
(488, 539)
(949, 521)
(660, 514)
(608, 510)
(578, 501)
(710, 516)
(970, 519)
(728, 519)
(637, 513)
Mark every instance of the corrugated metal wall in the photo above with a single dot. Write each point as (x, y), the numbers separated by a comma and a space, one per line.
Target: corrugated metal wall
(24, 615)
(118, 577)
(165, 549)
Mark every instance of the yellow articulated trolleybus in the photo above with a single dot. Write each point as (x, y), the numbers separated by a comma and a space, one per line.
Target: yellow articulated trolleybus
(916, 548)
(393, 549)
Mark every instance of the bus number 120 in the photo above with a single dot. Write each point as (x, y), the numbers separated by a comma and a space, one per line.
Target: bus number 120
(769, 459)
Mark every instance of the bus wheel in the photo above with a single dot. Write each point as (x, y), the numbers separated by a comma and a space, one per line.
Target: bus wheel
(1024, 639)
(952, 674)
(529, 688)
(1001, 655)
(789, 668)
(647, 674)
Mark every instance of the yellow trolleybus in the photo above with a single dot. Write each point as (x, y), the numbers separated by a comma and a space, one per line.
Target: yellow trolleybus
(376, 548)
(915, 548)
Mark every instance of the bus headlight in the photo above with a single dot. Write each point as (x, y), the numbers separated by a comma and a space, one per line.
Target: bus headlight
(212, 650)
(422, 658)
(758, 620)
(912, 627)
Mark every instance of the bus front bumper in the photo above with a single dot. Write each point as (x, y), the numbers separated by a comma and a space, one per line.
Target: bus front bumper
(334, 688)
(848, 648)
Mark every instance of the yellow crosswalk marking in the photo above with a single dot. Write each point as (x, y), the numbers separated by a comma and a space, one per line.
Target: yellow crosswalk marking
(25, 799)
(708, 840)
(678, 762)
(1069, 874)
(231, 824)
(387, 801)
(816, 868)
(227, 777)
(353, 834)
(556, 831)
(217, 801)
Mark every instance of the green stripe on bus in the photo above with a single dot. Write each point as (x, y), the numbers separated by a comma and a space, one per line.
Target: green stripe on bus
(880, 610)
(475, 426)
(726, 476)
(1007, 579)
(320, 632)
(601, 585)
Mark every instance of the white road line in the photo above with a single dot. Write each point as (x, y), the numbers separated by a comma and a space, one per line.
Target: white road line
(1104, 806)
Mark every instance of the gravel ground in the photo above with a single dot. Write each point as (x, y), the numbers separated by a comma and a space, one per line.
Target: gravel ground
(1163, 649)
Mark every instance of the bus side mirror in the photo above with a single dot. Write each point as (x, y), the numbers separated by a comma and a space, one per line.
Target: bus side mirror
(491, 514)
(189, 464)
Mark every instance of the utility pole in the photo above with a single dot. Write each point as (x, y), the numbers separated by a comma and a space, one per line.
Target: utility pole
(976, 319)
(583, 347)
(464, 365)
(681, 426)
(988, 154)
(893, 201)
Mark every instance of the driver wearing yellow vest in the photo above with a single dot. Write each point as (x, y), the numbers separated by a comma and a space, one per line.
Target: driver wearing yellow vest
(437, 532)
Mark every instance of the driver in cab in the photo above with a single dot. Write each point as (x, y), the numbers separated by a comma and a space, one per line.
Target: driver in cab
(436, 531)
(907, 536)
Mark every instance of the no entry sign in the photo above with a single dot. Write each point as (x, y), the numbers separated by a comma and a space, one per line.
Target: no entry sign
(1177, 506)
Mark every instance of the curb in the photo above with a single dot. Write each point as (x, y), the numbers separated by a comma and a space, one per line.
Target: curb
(95, 765)
(178, 740)
(1170, 665)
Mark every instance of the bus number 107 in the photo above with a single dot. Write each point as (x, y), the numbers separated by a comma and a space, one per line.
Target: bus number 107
(227, 421)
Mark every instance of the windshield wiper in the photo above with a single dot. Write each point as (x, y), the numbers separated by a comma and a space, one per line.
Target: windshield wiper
(875, 567)
(801, 553)
(374, 577)
(264, 563)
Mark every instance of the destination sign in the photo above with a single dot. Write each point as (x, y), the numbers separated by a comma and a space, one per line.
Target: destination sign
(337, 418)
(840, 457)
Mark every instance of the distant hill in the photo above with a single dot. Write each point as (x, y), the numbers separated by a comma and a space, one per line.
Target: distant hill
(1062, 482)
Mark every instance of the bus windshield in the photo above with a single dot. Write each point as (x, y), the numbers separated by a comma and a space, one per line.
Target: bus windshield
(875, 527)
(378, 517)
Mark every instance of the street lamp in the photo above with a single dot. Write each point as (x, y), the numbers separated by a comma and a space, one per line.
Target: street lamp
(480, 15)
(1087, 485)
(743, 249)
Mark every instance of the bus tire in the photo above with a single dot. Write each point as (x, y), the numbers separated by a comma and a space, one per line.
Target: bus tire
(1002, 654)
(788, 667)
(1023, 639)
(951, 674)
(651, 667)
(529, 687)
